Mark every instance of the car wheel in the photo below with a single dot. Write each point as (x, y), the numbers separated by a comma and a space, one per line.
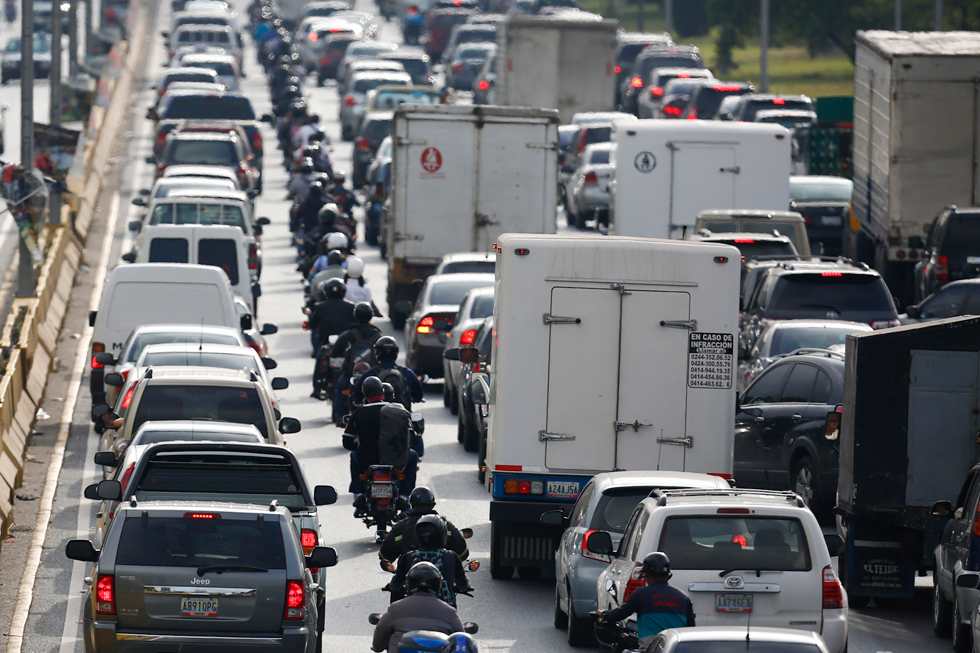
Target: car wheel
(460, 430)
(321, 621)
(453, 399)
(962, 633)
(579, 630)
(561, 619)
(805, 483)
(446, 397)
(499, 571)
(942, 612)
(471, 436)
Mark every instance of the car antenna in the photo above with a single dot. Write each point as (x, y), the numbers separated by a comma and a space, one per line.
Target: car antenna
(660, 447)
(748, 630)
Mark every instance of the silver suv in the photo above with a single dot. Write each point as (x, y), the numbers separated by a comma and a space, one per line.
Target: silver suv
(200, 576)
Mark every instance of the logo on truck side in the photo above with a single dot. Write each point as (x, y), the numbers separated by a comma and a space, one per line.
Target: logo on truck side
(431, 160)
(645, 161)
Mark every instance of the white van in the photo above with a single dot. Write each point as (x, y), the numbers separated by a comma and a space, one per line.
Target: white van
(219, 246)
(158, 293)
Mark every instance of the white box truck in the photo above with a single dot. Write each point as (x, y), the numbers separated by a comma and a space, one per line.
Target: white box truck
(461, 176)
(668, 171)
(610, 354)
(916, 143)
(556, 62)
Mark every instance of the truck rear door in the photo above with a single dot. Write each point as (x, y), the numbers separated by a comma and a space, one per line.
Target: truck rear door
(712, 170)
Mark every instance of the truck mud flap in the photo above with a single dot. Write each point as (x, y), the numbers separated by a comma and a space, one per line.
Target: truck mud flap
(873, 567)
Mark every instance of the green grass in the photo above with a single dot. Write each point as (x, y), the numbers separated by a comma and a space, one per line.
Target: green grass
(791, 69)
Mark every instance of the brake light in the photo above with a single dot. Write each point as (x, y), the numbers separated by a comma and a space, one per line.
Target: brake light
(201, 515)
(105, 595)
(684, 76)
(831, 274)
(778, 100)
(747, 241)
(314, 37)
(295, 600)
(733, 511)
(636, 82)
(458, 67)
(128, 397)
(833, 597)
(381, 476)
(693, 115)
(124, 480)
(656, 91)
(725, 88)
(591, 178)
(884, 324)
(413, 10)
(161, 138)
(364, 144)
(942, 268)
(672, 111)
(349, 100)
(308, 538)
(97, 348)
(636, 581)
(484, 85)
(467, 337)
(256, 142)
(618, 69)
(161, 169)
(588, 554)
(523, 486)
(253, 256)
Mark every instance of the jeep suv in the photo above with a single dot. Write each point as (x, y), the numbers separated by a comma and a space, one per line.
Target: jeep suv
(952, 250)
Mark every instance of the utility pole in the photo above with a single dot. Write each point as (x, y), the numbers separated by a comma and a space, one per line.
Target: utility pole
(669, 16)
(639, 18)
(73, 38)
(25, 268)
(764, 46)
(89, 22)
(939, 15)
(898, 15)
(54, 215)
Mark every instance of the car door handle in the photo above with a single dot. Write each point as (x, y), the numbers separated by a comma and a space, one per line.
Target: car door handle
(796, 418)
(760, 419)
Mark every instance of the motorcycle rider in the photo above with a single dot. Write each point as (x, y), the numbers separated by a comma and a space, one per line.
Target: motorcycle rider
(356, 344)
(401, 537)
(657, 605)
(305, 217)
(407, 386)
(299, 186)
(430, 535)
(357, 290)
(332, 316)
(334, 270)
(420, 610)
(332, 240)
(344, 198)
(362, 437)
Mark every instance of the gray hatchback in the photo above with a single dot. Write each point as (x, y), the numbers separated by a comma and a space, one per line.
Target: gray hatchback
(200, 576)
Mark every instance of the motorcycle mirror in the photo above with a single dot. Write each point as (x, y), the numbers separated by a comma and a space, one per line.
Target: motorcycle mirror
(416, 416)
(471, 628)
(333, 339)
(467, 533)
(390, 568)
(473, 565)
(374, 618)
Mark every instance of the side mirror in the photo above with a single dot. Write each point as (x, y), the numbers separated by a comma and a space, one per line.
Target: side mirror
(114, 379)
(374, 618)
(552, 518)
(469, 355)
(269, 118)
(832, 426)
(91, 318)
(136, 226)
(600, 542)
(81, 550)
(109, 490)
(471, 628)
(151, 114)
(98, 410)
(404, 307)
(835, 545)
(105, 358)
(105, 458)
(289, 425)
(942, 509)
(467, 533)
(165, 34)
(150, 159)
(246, 322)
(129, 257)
(92, 492)
(280, 383)
(257, 229)
(145, 192)
(264, 222)
(451, 354)
(139, 201)
(269, 329)
(324, 495)
(472, 565)
(968, 580)
(913, 312)
(269, 363)
(480, 391)
(322, 556)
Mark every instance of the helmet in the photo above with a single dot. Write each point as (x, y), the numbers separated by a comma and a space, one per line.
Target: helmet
(372, 387)
(336, 289)
(385, 347)
(389, 391)
(656, 564)
(422, 498)
(335, 257)
(316, 187)
(430, 532)
(339, 177)
(423, 577)
(328, 215)
(305, 166)
(460, 643)
(363, 313)
(355, 267)
(336, 240)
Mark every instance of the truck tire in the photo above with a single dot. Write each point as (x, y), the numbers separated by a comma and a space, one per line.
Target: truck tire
(962, 633)
(397, 319)
(529, 573)
(942, 612)
(579, 631)
(499, 571)
(561, 619)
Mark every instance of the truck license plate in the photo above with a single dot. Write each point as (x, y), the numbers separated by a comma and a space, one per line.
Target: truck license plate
(195, 607)
(733, 603)
(562, 490)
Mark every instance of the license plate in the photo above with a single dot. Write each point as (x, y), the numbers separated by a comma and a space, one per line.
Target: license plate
(382, 491)
(831, 221)
(562, 490)
(973, 260)
(194, 607)
(733, 603)
(336, 363)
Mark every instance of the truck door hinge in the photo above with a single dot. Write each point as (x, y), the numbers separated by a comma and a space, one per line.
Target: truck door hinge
(548, 318)
(621, 288)
(542, 146)
(410, 141)
(636, 425)
(544, 436)
(686, 441)
(483, 220)
(733, 169)
(680, 324)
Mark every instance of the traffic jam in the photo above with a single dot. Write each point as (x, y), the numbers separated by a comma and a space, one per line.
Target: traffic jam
(708, 393)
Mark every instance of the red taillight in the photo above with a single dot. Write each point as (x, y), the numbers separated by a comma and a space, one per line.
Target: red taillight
(467, 337)
(636, 82)
(458, 67)
(483, 85)
(831, 274)
(885, 324)
(942, 268)
(201, 515)
(253, 256)
(295, 600)
(588, 554)
(381, 476)
(161, 138)
(242, 172)
(733, 511)
(163, 91)
(636, 581)
(672, 111)
(413, 10)
(656, 91)
(833, 597)
(308, 537)
(591, 178)
(97, 348)
(314, 37)
(125, 374)
(161, 169)
(128, 398)
(364, 144)
(684, 76)
(254, 345)
(778, 100)
(425, 324)
(349, 100)
(618, 69)
(693, 115)
(256, 142)
(739, 540)
(724, 88)
(747, 241)
(105, 595)
(124, 480)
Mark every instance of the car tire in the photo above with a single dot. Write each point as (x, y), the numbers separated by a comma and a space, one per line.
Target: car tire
(561, 619)
(453, 399)
(446, 397)
(962, 633)
(805, 483)
(460, 430)
(321, 622)
(471, 437)
(942, 612)
(579, 631)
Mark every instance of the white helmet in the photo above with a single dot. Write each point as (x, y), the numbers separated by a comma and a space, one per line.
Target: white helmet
(355, 267)
(336, 240)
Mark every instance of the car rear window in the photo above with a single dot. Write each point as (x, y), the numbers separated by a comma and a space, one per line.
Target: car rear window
(415, 67)
(154, 437)
(339, 45)
(462, 267)
(205, 107)
(391, 99)
(962, 237)
(820, 191)
(226, 361)
(755, 227)
(206, 153)
(452, 291)
(667, 60)
(482, 307)
(735, 542)
(785, 341)
(615, 507)
(168, 250)
(707, 99)
(219, 403)
(188, 213)
(837, 291)
(365, 85)
(203, 337)
(597, 134)
(188, 77)
(476, 36)
(129, 306)
(222, 68)
(627, 54)
(599, 157)
(753, 107)
(750, 646)
(752, 248)
(203, 36)
(221, 253)
(376, 130)
(193, 542)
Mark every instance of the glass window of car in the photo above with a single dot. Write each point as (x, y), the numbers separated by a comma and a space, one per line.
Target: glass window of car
(735, 542)
(208, 107)
(221, 253)
(451, 291)
(767, 227)
(482, 307)
(376, 130)
(753, 248)
(222, 360)
(784, 341)
(637, 536)
(201, 152)
(628, 532)
(599, 157)
(219, 403)
(581, 506)
(485, 340)
(799, 385)
(972, 305)
(972, 498)
(820, 190)
(752, 106)
(613, 510)
(477, 51)
(366, 84)
(969, 491)
(153, 437)
(823, 390)
(948, 302)
(705, 100)
(169, 250)
(847, 292)
(767, 387)
(160, 338)
(753, 646)
(961, 236)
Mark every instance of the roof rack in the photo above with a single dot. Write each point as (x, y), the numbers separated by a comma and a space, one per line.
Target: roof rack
(813, 351)
(661, 495)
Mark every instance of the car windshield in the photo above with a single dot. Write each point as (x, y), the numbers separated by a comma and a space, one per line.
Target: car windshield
(203, 337)
(615, 507)
(452, 291)
(785, 341)
(42, 44)
(754, 248)
(207, 153)
(751, 646)
(836, 292)
(735, 542)
(193, 542)
(476, 36)
(224, 360)
(599, 157)
(193, 213)
(482, 307)
(627, 55)
(820, 190)
(391, 99)
(222, 68)
(203, 36)
(219, 403)
(209, 107)
(190, 77)
(755, 227)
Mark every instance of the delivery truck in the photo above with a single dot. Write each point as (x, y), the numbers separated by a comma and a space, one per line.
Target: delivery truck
(668, 171)
(463, 175)
(557, 62)
(609, 354)
(908, 439)
(916, 144)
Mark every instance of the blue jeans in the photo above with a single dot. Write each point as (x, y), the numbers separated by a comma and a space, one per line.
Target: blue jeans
(405, 486)
(339, 400)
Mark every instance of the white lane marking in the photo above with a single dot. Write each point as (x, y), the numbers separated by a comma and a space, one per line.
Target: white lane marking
(25, 594)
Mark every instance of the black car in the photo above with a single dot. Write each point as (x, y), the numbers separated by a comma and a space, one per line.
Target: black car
(706, 98)
(655, 56)
(952, 300)
(181, 106)
(782, 439)
(952, 250)
(415, 61)
(628, 46)
(471, 417)
(753, 103)
(823, 202)
(374, 129)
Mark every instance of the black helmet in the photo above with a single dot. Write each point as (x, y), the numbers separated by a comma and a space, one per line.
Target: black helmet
(423, 577)
(372, 387)
(335, 257)
(305, 166)
(389, 391)
(363, 313)
(656, 564)
(328, 212)
(385, 347)
(336, 289)
(460, 643)
(430, 532)
(316, 187)
(422, 499)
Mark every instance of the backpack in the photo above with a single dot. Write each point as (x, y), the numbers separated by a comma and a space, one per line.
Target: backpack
(360, 355)
(395, 377)
(394, 435)
(438, 558)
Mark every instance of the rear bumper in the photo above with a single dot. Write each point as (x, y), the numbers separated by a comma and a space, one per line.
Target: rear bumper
(427, 358)
(106, 638)
(834, 630)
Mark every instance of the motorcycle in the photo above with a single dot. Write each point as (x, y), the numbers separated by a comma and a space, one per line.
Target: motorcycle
(398, 593)
(415, 641)
(381, 497)
(413, 25)
(615, 638)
